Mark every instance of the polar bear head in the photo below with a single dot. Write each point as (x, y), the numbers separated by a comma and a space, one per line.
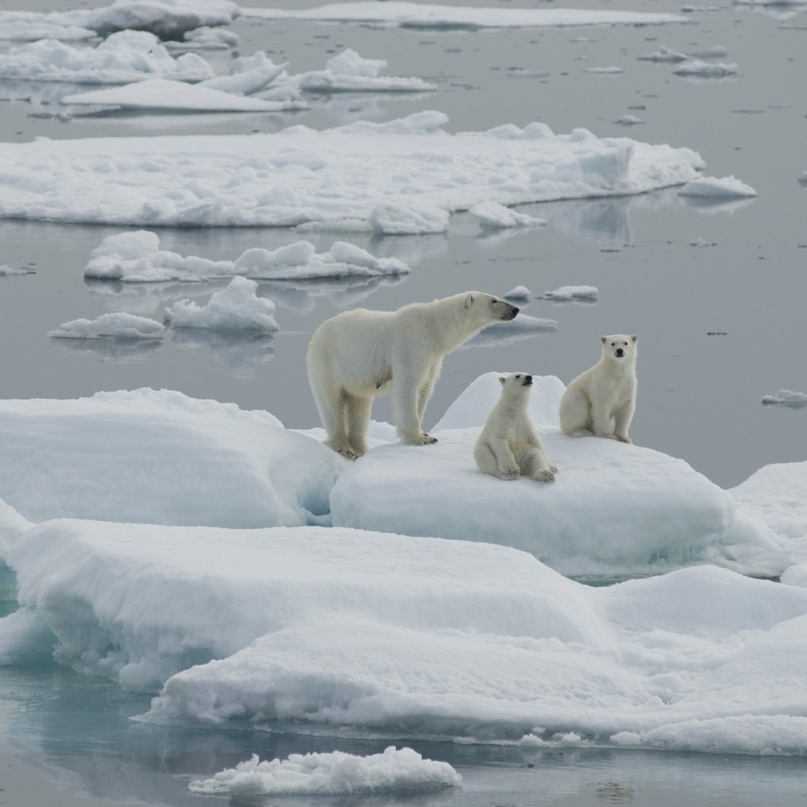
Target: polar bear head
(516, 381)
(487, 307)
(619, 347)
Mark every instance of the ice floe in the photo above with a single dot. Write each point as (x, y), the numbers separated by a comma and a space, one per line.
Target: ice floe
(717, 188)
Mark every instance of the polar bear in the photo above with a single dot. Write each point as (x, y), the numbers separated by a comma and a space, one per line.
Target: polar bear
(508, 446)
(603, 394)
(359, 354)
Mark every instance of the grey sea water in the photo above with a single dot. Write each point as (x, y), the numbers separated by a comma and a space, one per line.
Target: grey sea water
(715, 292)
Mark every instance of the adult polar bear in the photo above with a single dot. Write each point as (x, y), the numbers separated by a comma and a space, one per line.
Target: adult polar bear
(359, 354)
(604, 394)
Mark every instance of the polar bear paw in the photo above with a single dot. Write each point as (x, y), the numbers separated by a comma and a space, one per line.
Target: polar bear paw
(623, 438)
(421, 439)
(545, 475)
(509, 472)
(347, 451)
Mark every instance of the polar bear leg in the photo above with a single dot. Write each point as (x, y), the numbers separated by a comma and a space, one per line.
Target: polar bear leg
(575, 414)
(622, 419)
(357, 412)
(601, 420)
(501, 464)
(534, 464)
(408, 395)
(331, 404)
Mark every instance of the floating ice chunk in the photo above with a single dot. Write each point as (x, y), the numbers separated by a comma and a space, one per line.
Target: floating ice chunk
(701, 69)
(349, 72)
(494, 216)
(169, 19)
(395, 770)
(664, 54)
(123, 57)
(567, 294)
(714, 188)
(518, 293)
(247, 75)
(400, 219)
(158, 93)
(629, 120)
(136, 257)
(235, 308)
(118, 325)
(786, 397)
(612, 70)
(37, 27)
(204, 38)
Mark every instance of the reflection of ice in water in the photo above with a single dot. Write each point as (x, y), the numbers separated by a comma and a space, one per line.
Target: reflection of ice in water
(300, 296)
(239, 351)
(113, 350)
(342, 108)
(505, 333)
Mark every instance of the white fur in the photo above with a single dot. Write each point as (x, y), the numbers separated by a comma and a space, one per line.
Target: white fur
(508, 446)
(601, 401)
(359, 354)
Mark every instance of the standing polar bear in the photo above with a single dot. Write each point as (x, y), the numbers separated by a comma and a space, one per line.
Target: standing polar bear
(359, 354)
(603, 394)
(508, 446)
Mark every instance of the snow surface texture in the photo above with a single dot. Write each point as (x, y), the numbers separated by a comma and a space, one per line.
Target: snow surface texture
(404, 176)
(229, 597)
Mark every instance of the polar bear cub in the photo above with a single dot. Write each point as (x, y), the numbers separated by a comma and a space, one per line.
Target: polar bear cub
(359, 354)
(601, 401)
(508, 446)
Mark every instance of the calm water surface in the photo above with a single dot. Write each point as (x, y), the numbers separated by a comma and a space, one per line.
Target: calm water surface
(716, 294)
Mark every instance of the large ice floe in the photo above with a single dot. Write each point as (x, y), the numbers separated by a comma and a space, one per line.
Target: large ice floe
(244, 573)
(429, 15)
(404, 176)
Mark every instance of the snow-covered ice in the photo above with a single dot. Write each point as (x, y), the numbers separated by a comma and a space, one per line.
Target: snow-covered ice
(160, 93)
(399, 770)
(425, 15)
(391, 627)
(168, 19)
(518, 293)
(120, 58)
(402, 176)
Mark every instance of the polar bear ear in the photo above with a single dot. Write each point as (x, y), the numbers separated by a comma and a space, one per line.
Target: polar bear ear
(603, 339)
(469, 300)
(502, 379)
(634, 338)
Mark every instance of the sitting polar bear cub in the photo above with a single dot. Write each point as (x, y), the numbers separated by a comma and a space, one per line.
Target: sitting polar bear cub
(603, 394)
(359, 354)
(508, 446)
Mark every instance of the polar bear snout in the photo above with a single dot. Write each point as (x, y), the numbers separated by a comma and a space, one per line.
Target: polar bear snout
(527, 381)
(511, 312)
(620, 352)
